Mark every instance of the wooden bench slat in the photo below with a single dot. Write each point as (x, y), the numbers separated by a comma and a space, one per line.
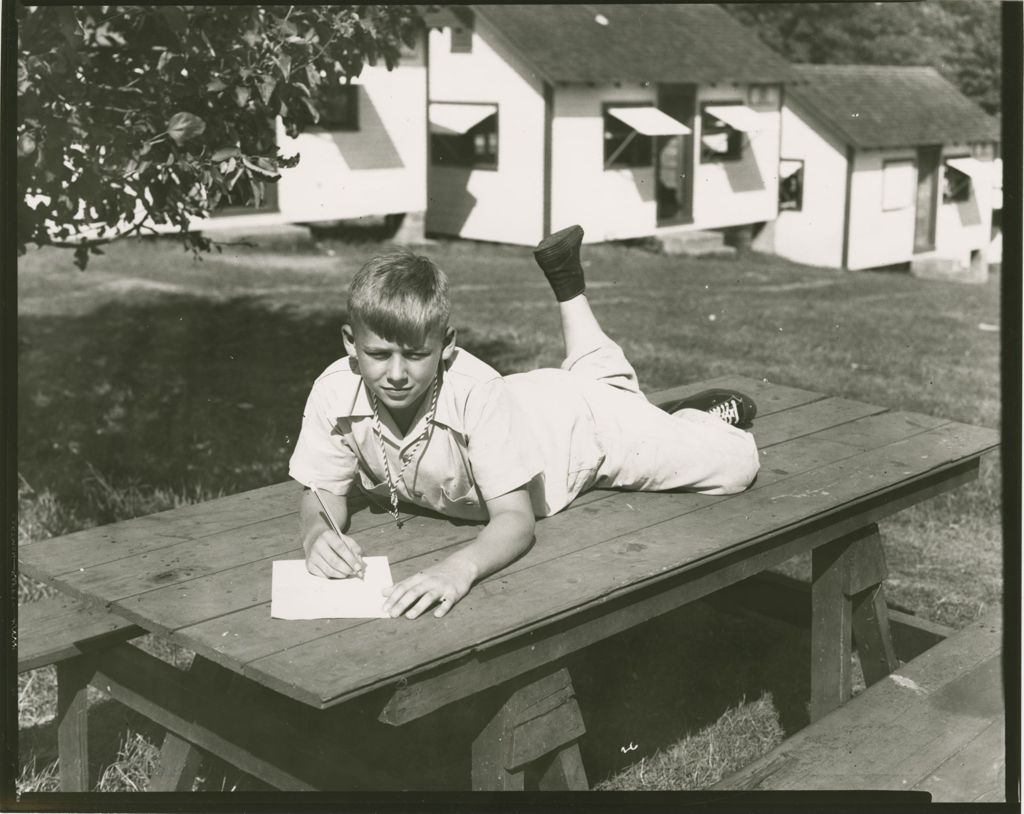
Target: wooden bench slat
(524, 599)
(232, 634)
(944, 706)
(56, 628)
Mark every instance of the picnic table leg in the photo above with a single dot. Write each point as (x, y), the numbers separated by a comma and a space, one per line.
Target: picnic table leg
(830, 627)
(534, 732)
(847, 604)
(180, 761)
(870, 621)
(73, 676)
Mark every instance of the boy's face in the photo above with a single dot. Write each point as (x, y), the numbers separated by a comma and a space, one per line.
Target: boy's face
(399, 375)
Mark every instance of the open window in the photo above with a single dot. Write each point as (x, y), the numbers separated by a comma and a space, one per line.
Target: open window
(629, 131)
(791, 185)
(464, 135)
(898, 184)
(723, 129)
(957, 176)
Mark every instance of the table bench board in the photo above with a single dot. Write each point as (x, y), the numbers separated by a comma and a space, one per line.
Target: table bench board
(935, 725)
(817, 459)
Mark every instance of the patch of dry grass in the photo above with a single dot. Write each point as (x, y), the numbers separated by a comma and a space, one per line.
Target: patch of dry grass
(743, 734)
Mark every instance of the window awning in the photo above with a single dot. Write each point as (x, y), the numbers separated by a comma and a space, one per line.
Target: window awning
(716, 142)
(788, 167)
(970, 167)
(738, 117)
(649, 121)
(453, 119)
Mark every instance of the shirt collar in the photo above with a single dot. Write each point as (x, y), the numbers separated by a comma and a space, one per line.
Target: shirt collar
(447, 413)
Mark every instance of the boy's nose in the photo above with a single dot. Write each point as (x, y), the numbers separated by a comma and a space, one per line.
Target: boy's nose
(396, 370)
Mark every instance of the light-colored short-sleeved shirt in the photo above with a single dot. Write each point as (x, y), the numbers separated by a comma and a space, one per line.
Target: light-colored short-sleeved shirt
(480, 445)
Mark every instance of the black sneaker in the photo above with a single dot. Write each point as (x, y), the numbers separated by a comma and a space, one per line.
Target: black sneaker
(731, 406)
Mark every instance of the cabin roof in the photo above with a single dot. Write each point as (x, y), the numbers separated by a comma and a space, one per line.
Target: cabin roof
(675, 42)
(890, 106)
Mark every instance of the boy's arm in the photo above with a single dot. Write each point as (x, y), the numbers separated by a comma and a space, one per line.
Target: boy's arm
(327, 554)
(508, 533)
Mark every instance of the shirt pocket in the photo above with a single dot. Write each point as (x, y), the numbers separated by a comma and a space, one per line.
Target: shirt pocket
(374, 488)
(454, 498)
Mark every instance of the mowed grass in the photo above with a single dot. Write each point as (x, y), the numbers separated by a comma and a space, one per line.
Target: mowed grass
(152, 380)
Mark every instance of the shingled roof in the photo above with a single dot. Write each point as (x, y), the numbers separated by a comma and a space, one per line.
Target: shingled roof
(890, 106)
(674, 42)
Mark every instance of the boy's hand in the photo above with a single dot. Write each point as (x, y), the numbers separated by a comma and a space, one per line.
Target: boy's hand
(442, 585)
(335, 557)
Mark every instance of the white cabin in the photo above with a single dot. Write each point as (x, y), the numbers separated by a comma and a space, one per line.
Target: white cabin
(882, 166)
(631, 120)
(366, 157)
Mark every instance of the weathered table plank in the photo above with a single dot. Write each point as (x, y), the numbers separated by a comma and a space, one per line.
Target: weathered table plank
(244, 635)
(61, 555)
(371, 653)
(182, 561)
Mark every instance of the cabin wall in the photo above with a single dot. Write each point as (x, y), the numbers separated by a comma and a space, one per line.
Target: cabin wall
(379, 169)
(964, 227)
(878, 237)
(733, 193)
(814, 234)
(504, 204)
(610, 204)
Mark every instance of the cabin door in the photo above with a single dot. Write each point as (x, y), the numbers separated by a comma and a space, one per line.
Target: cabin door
(673, 157)
(927, 197)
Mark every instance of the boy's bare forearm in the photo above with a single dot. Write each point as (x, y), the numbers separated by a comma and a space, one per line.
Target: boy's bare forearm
(501, 541)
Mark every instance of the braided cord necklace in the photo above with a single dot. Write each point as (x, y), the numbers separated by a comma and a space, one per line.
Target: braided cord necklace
(409, 455)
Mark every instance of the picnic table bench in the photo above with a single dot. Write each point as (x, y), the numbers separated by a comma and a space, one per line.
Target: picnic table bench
(937, 725)
(359, 704)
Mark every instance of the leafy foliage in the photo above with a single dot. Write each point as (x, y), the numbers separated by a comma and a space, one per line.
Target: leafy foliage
(959, 38)
(137, 115)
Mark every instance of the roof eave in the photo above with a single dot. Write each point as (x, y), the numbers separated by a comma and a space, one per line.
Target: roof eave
(509, 43)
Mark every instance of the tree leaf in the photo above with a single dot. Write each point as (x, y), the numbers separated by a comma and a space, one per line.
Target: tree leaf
(241, 95)
(216, 85)
(284, 64)
(184, 126)
(266, 86)
(225, 153)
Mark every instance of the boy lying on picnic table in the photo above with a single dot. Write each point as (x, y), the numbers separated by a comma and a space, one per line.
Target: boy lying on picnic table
(408, 414)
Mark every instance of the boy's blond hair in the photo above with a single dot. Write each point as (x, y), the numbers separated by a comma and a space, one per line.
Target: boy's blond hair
(401, 297)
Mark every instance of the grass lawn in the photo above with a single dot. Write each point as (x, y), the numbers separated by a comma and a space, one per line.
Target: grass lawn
(151, 380)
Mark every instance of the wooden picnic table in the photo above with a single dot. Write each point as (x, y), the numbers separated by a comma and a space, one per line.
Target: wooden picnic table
(357, 703)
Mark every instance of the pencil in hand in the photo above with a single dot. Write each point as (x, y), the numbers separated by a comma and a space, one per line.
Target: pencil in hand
(361, 573)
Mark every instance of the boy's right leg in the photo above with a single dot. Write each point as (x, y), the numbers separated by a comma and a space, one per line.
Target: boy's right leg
(589, 351)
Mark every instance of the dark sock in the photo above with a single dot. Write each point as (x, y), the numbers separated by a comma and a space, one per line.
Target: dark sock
(559, 258)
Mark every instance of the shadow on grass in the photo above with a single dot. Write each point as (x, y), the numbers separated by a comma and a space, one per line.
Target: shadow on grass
(650, 686)
(180, 393)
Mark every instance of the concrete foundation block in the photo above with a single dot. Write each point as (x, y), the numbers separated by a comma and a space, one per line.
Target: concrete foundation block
(950, 269)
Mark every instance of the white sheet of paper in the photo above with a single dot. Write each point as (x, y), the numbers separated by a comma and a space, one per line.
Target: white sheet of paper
(297, 594)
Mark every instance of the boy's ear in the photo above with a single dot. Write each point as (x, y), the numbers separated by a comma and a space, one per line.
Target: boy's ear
(349, 340)
(449, 345)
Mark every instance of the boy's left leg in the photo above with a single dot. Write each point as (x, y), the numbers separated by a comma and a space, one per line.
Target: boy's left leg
(590, 352)
(649, 449)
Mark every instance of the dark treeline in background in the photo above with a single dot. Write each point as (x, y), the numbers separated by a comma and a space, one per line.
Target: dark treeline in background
(959, 38)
